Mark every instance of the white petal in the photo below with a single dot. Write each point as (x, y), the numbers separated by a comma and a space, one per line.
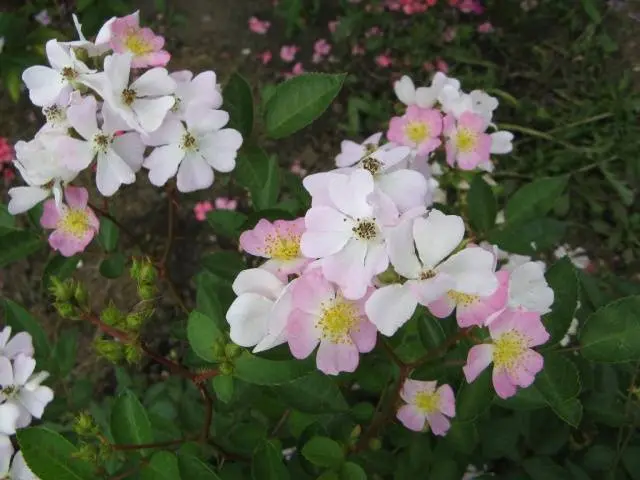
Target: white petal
(405, 90)
(44, 84)
(163, 163)
(82, 117)
(407, 188)
(437, 236)
(154, 82)
(317, 184)
(327, 232)
(248, 316)
(202, 119)
(401, 249)
(9, 414)
(35, 401)
(25, 198)
(171, 131)
(472, 269)
(260, 281)
(112, 120)
(501, 142)
(57, 55)
(350, 153)
(350, 193)
(20, 470)
(130, 148)
(112, 172)
(194, 174)
(426, 97)
(23, 367)
(221, 148)
(6, 452)
(75, 154)
(529, 289)
(390, 307)
(117, 68)
(151, 111)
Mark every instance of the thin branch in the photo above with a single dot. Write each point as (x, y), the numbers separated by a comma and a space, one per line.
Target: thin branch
(388, 349)
(147, 446)
(281, 422)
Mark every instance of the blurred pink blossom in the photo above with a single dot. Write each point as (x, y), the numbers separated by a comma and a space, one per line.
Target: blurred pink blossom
(265, 57)
(441, 65)
(296, 167)
(225, 203)
(288, 53)
(485, 27)
(200, 210)
(449, 34)
(259, 26)
(384, 60)
(333, 25)
(43, 18)
(373, 32)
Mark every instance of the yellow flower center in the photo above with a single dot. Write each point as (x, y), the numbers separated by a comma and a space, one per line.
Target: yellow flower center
(69, 74)
(372, 165)
(137, 45)
(417, 131)
(283, 247)
(462, 299)
(365, 230)
(466, 140)
(508, 349)
(428, 402)
(74, 222)
(338, 320)
(189, 143)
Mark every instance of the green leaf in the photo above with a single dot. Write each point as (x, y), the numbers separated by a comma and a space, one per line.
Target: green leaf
(224, 265)
(208, 301)
(203, 334)
(529, 237)
(313, 393)
(50, 455)
(535, 199)
(324, 452)
(227, 223)
(559, 382)
(352, 471)
(474, 398)
(193, 468)
(482, 205)
(463, 437)
(259, 174)
(18, 245)
(129, 421)
(612, 333)
(12, 83)
(223, 387)
(113, 265)
(299, 101)
(238, 101)
(591, 9)
(267, 463)
(563, 280)
(631, 461)
(543, 468)
(430, 330)
(64, 352)
(7, 221)
(260, 371)
(445, 469)
(163, 466)
(21, 320)
(108, 234)
(59, 267)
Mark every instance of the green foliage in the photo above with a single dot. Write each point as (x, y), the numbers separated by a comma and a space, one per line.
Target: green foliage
(259, 174)
(323, 452)
(238, 101)
(129, 422)
(299, 101)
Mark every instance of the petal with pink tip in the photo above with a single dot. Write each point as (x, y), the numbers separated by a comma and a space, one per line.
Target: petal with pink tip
(51, 214)
(76, 197)
(447, 401)
(364, 336)
(333, 358)
(302, 334)
(502, 384)
(479, 358)
(439, 423)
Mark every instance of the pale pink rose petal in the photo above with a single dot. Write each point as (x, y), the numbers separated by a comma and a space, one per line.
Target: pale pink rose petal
(503, 384)
(301, 333)
(50, 214)
(479, 358)
(365, 336)
(439, 423)
(411, 417)
(447, 400)
(333, 358)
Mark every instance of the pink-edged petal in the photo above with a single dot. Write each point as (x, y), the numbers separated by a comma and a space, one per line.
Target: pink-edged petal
(67, 244)
(302, 335)
(447, 401)
(503, 384)
(76, 197)
(390, 307)
(439, 423)
(442, 307)
(479, 358)
(437, 236)
(411, 418)
(50, 214)
(364, 336)
(333, 358)
(311, 291)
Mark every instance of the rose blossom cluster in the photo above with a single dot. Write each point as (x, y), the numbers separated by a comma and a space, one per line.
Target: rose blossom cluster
(111, 107)
(412, 7)
(22, 398)
(369, 251)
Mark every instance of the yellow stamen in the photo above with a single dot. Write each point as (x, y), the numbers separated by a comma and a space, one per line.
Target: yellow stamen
(137, 45)
(74, 222)
(428, 402)
(508, 350)
(466, 140)
(283, 247)
(417, 131)
(365, 230)
(462, 299)
(338, 320)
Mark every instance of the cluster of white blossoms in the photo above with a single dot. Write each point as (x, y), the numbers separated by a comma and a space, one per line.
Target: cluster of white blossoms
(22, 398)
(111, 106)
(370, 250)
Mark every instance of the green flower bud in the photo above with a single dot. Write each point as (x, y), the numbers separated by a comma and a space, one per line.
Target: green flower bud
(84, 425)
(226, 368)
(135, 320)
(87, 452)
(134, 271)
(146, 292)
(232, 350)
(132, 353)
(61, 291)
(112, 315)
(65, 309)
(81, 295)
(375, 444)
(147, 273)
(109, 349)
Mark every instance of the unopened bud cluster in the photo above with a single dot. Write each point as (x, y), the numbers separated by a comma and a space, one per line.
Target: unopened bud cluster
(71, 298)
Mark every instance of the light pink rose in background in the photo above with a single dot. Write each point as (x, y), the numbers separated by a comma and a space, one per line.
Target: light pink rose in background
(426, 406)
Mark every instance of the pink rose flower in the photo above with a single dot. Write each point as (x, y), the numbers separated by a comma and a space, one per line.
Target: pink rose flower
(265, 57)
(259, 26)
(384, 60)
(419, 128)
(426, 406)
(467, 143)
(146, 46)
(200, 210)
(288, 53)
(485, 27)
(224, 203)
(74, 223)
